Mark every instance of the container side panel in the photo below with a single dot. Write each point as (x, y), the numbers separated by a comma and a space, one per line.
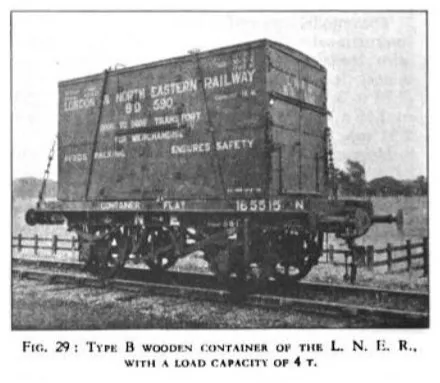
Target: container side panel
(72, 171)
(175, 131)
(78, 105)
(298, 123)
(286, 139)
(313, 150)
(295, 79)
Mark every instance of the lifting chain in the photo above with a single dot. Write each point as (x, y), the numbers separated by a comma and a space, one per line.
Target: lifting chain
(95, 137)
(330, 162)
(215, 162)
(46, 173)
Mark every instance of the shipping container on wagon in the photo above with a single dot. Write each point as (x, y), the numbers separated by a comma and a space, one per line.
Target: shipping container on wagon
(246, 120)
(160, 160)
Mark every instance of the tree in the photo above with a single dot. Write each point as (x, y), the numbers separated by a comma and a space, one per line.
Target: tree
(422, 183)
(352, 180)
(356, 173)
(385, 186)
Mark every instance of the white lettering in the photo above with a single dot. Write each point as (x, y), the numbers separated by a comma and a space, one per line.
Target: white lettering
(167, 135)
(141, 123)
(193, 148)
(74, 104)
(130, 95)
(222, 80)
(228, 79)
(234, 145)
(163, 103)
(299, 204)
(121, 205)
(172, 88)
(178, 119)
(109, 154)
(206, 146)
(79, 157)
(258, 205)
(173, 205)
(107, 127)
(251, 74)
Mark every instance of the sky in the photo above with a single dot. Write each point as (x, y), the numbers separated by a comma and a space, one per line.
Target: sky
(376, 65)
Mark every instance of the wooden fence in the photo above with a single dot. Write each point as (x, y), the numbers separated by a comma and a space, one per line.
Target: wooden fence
(371, 257)
(54, 243)
(365, 256)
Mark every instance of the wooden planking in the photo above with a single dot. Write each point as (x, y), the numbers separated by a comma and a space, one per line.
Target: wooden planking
(235, 97)
(236, 109)
(294, 78)
(298, 129)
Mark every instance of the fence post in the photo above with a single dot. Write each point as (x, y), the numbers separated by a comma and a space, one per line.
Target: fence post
(54, 244)
(346, 275)
(361, 255)
(19, 242)
(353, 271)
(73, 244)
(36, 244)
(389, 257)
(356, 254)
(370, 257)
(408, 254)
(331, 254)
(425, 257)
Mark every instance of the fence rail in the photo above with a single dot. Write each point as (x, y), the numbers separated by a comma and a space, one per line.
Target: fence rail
(21, 242)
(364, 256)
(371, 257)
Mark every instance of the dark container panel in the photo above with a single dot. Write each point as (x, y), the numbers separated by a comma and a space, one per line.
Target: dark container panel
(155, 128)
(196, 127)
(296, 85)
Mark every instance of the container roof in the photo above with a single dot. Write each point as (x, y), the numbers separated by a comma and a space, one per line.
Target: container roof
(231, 48)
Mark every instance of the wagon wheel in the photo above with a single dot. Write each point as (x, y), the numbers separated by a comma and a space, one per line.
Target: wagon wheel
(107, 256)
(224, 254)
(160, 249)
(311, 250)
(291, 257)
(240, 275)
(226, 261)
(288, 274)
(86, 248)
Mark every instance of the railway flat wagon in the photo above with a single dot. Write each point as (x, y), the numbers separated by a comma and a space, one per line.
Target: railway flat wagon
(226, 151)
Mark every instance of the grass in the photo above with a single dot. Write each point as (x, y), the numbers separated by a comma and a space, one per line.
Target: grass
(413, 280)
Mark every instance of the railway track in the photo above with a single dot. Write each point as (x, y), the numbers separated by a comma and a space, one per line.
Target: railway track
(379, 307)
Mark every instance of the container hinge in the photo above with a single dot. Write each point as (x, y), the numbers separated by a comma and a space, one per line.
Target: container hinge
(330, 168)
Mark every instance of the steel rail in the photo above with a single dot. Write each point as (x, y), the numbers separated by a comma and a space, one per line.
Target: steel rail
(387, 317)
(335, 291)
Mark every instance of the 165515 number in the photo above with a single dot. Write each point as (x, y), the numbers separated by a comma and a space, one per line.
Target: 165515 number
(258, 205)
